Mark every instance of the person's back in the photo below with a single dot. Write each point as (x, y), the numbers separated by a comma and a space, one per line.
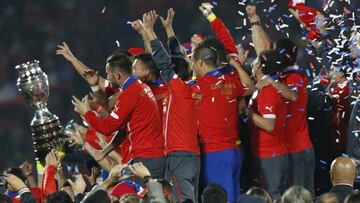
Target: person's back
(218, 115)
(328, 198)
(342, 176)
(353, 198)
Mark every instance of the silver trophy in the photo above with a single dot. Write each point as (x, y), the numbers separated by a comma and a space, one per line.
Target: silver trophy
(46, 129)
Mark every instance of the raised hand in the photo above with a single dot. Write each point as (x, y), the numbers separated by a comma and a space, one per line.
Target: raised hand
(52, 159)
(92, 77)
(139, 170)
(251, 13)
(206, 9)
(78, 185)
(76, 137)
(64, 50)
(138, 26)
(149, 19)
(242, 54)
(115, 173)
(15, 183)
(81, 106)
(26, 168)
(93, 175)
(167, 23)
(101, 140)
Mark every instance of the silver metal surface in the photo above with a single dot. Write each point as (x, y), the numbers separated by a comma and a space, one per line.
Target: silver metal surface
(46, 129)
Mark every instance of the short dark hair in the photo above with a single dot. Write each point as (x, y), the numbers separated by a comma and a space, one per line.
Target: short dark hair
(220, 49)
(206, 53)
(259, 192)
(121, 62)
(353, 198)
(271, 62)
(98, 196)
(288, 51)
(149, 62)
(17, 172)
(182, 67)
(214, 193)
(59, 197)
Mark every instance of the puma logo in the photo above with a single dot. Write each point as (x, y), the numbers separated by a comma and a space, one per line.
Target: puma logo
(269, 108)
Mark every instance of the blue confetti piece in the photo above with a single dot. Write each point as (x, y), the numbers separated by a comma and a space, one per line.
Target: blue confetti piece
(282, 51)
(214, 3)
(323, 162)
(308, 72)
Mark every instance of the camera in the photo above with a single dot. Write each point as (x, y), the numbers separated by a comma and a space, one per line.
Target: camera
(126, 172)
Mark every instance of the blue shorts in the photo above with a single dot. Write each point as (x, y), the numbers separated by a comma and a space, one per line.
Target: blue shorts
(222, 167)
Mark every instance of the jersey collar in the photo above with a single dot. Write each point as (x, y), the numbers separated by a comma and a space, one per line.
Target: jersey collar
(128, 82)
(215, 73)
(156, 82)
(226, 69)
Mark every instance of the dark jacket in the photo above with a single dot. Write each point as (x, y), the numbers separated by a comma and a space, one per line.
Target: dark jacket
(342, 191)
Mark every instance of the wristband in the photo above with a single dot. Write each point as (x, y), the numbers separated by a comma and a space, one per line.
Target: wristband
(211, 17)
(146, 179)
(95, 88)
(255, 23)
(23, 190)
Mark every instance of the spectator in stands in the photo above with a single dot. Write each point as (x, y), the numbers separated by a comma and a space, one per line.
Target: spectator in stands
(297, 194)
(259, 192)
(353, 198)
(342, 175)
(214, 193)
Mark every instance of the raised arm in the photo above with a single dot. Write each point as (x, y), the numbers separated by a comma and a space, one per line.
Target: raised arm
(244, 77)
(219, 28)
(79, 66)
(139, 28)
(287, 92)
(173, 42)
(259, 37)
(160, 56)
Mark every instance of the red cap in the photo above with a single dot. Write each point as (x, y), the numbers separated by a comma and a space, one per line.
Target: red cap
(202, 37)
(136, 50)
(123, 188)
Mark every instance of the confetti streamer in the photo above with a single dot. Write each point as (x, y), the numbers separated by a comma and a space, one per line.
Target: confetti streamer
(103, 10)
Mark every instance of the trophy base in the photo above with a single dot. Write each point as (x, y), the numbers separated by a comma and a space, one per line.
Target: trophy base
(46, 137)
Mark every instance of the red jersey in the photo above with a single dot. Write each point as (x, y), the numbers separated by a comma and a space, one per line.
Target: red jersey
(49, 184)
(136, 108)
(218, 111)
(180, 121)
(161, 92)
(297, 132)
(269, 103)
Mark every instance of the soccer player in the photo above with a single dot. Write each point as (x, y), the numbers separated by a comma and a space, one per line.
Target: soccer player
(292, 86)
(180, 130)
(218, 122)
(136, 110)
(298, 142)
(182, 148)
(268, 115)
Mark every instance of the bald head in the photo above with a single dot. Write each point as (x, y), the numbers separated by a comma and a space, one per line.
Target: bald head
(342, 170)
